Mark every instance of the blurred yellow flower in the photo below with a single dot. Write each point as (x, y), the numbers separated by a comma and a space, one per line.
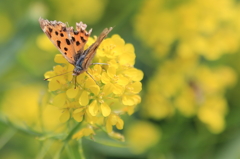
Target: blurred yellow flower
(141, 136)
(187, 36)
(21, 106)
(207, 28)
(192, 91)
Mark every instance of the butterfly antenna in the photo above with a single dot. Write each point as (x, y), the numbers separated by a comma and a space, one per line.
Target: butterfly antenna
(99, 64)
(57, 75)
(92, 77)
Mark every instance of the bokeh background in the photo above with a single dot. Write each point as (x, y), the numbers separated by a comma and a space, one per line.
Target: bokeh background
(189, 51)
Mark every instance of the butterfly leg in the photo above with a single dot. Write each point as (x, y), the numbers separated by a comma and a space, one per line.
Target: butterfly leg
(99, 64)
(75, 82)
(91, 77)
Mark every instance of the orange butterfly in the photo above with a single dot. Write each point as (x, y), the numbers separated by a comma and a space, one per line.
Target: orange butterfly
(71, 43)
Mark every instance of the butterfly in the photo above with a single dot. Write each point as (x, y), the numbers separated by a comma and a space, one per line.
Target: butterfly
(71, 43)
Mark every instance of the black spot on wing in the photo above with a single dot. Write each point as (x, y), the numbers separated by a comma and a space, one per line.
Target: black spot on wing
(68, 42)
(56, 32)
(64, 29)
(73, 39)
(77, 43)
(50, 30)
(59, 44)
(66, 49)
(83, 39)
(76, 32)
(61, 35)
(65, 53)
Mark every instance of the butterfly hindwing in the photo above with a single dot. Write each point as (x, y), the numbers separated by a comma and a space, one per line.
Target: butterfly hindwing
(79, 38)
(91, 51)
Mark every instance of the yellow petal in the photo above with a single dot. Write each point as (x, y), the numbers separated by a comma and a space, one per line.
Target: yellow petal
(130, 99)
(78, 135)
(49, 74)
(113, 119)
(78, 110)
(53, 85)
(90, 82)
(98, 69)
(137, 87)
(118, 40)
(128, 57)
(117, 89)
(93, 108)
(95, 89)
(72, 92)
(106, 110)
(78, 117)
(108, 88)
(84, 98)
(88, 131)
(111, 72)
(65, 116)
(120, 124)
(134, 74)
(105, 78)
(60, 59)
(81, 78)
(123, 81)
(59, 69)
(78, 114)
(59, 100)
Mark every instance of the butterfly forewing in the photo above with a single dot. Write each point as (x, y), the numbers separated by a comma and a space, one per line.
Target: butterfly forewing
(58, 33)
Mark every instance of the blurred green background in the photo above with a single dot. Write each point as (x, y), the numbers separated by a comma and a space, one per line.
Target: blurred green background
(187, 49)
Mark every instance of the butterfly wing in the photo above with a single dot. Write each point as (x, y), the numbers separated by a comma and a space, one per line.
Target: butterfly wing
(91, 51)
(79, 38)
(58, 33)
(69, 42)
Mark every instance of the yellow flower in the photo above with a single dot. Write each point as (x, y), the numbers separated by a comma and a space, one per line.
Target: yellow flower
(196, 90)
(83, 132)
(113, 119)
(141, 136)
(22, 107)
(101, 100)
(212, 113)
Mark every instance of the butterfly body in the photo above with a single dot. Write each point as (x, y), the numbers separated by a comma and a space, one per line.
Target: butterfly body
(71, 42)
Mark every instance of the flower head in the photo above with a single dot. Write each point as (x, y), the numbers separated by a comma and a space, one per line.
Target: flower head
(102, 95)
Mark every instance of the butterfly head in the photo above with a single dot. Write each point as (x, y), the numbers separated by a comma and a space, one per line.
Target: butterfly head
(78, 70)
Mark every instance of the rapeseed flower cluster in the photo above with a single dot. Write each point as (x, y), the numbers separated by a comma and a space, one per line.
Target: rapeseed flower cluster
(199, 27)
(100, 101)
(192, 91)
